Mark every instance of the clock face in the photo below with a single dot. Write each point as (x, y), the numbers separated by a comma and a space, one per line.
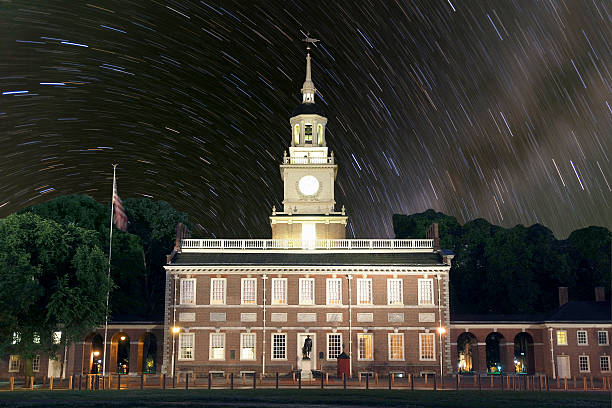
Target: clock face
(308, 185)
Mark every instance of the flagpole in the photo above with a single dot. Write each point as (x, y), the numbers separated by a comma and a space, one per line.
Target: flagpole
(110, 251)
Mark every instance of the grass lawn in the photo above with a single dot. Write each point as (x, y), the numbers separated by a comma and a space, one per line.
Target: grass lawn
(303, 398)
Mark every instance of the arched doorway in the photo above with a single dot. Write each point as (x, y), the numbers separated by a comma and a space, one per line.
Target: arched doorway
(467, 353)
(120, 353)
(97, 353)
(147, 353)
(494, 356)
(523, 354)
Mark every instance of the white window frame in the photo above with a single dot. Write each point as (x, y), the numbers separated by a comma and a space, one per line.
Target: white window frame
(361, 336)
(433, 343)
(182, 349)
(36, 363)
(273, 336)
(557, 335)
(337, 281)
(214, 301)
(588, 363)
(605, 332)
(329, 344)
(421, 292)
(274, 291)
(242, 337)
(14, 363)
(244, 301)
(403, 348)
(364, 291)
(302, 299)
(586, 338)
(601, 367)
(183, 283)
(390, 282)
(211, 356)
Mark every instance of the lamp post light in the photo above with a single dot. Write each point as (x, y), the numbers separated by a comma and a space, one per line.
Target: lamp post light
(441, 331)
(175, 330)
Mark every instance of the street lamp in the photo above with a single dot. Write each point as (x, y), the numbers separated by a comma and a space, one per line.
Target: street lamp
(175, 330)
(441, 331)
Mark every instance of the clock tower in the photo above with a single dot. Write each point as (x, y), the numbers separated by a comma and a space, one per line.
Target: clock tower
(308, 174)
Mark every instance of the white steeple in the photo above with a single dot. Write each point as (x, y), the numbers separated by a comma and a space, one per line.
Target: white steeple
(308, 89)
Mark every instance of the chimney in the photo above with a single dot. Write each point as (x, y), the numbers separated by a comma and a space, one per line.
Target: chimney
(563, 296)
(600, 294)
(433, 232)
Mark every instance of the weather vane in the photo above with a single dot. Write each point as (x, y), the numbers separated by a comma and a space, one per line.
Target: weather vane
(308, 40)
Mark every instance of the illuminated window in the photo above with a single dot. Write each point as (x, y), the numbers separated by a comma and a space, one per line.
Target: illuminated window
(320, 135)
(583, 364)
(307, 291)
(364, 291)
(561, 338)
(604, 363)
(247, 346)
(279, 346)
(279, 291)
(188, 291)
(366, 346)
(217, 291)
(217, 346)
(334, 291)
(602, 338)
(426, 292)
(296, 134)
(16, 337)
(249, 291)
(396, 346)
(13, 363)
(395, 292)
(36, 338)
(57, 337)
(334, 345)
(582, 337)
(308, 133)
(36, 363)
(186, 341)
(426, 346)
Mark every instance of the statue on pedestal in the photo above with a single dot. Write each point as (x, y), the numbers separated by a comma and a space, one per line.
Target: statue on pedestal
(307, 348)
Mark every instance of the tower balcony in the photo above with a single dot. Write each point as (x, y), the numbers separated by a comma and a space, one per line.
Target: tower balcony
(406, 245)
(308, 160)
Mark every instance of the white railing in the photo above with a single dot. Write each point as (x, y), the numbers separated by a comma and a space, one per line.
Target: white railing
(308, 160)
(414, 244)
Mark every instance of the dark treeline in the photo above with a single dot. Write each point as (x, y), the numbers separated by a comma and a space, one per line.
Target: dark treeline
(515, 270)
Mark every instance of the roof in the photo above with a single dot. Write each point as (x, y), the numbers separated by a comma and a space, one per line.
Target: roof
(581, 311)
(308, 109)
(497, 318)
(318, 258)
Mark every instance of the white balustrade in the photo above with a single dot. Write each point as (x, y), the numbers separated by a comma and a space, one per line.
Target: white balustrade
(308, 160)
(322, 244)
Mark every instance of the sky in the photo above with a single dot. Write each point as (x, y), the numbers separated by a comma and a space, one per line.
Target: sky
(479, 109)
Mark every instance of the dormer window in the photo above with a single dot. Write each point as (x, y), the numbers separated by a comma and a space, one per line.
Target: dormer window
(296, 134)
(320, 135)
(308, 134)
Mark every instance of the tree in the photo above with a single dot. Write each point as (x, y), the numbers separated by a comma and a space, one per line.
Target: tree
(52, 278)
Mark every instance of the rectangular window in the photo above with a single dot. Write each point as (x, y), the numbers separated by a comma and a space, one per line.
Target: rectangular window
(307, 292)
(36, 363)
(248, 291)
(602, 338)
(13, 363)
(366, 346)
(16, 337)
(186, 346)
(396, 346)
(426, 292)
(279, 346)
(188, 291)
(279, 291)
(395, 291)
(334, 291)
(561, 338)
(604, 363)
(247, 346)
(427, 350)
(57, 337)
(217, 291)
(364, 291)
(217, 346)
(583, 364)
(308, 133)
(334, 345)
(582, 337)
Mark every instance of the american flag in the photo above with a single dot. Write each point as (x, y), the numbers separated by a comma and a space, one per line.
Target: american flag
(119, 218)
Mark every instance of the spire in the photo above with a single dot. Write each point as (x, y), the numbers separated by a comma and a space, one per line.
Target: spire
(308, 89)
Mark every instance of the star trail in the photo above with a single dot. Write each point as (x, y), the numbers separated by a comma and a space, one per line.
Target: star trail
(492, 109)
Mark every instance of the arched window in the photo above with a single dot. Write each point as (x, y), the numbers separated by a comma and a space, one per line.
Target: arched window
(308, 133)
(466, 352)
(320, 134)
(523, 354)
(494, 353)
(296, 134)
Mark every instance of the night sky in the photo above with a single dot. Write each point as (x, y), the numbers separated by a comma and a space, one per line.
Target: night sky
(498, 109)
